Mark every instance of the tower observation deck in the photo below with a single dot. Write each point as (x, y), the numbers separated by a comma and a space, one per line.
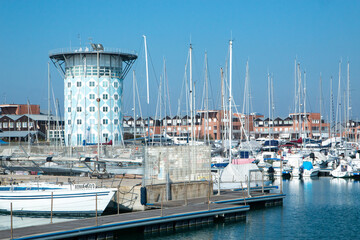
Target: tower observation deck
(93, 89)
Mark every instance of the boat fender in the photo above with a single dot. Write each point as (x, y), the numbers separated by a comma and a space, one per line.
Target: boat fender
(143, 199)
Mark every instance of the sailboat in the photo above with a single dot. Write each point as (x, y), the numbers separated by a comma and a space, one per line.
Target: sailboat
(238, 173)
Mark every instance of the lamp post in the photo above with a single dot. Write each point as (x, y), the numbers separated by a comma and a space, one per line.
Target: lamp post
(98, 47)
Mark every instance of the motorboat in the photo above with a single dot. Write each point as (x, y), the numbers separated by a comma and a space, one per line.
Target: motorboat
(344, 170)
(309, 170)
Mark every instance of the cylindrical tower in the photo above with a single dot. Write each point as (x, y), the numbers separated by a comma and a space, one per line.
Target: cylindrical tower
(84, 87)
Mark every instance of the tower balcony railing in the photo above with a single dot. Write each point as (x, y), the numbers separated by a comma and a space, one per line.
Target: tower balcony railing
(88, 49)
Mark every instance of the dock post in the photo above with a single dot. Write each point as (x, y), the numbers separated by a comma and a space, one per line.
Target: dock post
(118, 200)
(52, 204)
(243, 192)
(209, 196)
(248, 186)
(281, 173)
(185, 189)
(262, 182)
(96, 215)
(11, 221)
(162, 199)
(219, 173)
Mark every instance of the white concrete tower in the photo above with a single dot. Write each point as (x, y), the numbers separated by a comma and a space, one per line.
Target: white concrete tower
(84, 87)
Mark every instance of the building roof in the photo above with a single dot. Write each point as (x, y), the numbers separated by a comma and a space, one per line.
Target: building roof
(59, 54)
(16, 133)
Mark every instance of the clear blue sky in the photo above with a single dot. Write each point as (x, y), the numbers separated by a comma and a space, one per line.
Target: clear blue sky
(268, 33)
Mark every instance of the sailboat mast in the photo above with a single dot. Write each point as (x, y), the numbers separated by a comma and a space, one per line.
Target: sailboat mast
(320, 127)
(348, 95)
(338, 111)
(331, 107)
(147, 71)
(299, 95)
(191, 96)
(134, 105)
(48, 131)
(222, 102)
(269, 100)
(206, 132)
(230, 100)
(305, 115)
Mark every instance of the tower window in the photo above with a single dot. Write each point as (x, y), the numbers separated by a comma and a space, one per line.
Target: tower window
(78, 84)
(92, 109)
(91, 96)
(116, 97)
(78, 109)
(105, 83)
(69, 109)
(69, 84)
(105, 96)
(105, 121)
(92, 84)
(116, 84)
(105, 109)
(78, 121)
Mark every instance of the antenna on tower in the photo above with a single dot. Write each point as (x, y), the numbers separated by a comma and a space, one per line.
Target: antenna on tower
(79, 37)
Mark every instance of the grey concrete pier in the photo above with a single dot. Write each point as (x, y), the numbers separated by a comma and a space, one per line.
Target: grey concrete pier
(146, 221)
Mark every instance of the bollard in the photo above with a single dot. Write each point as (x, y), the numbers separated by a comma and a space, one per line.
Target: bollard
(96, 215)
(11, 221)
(52, 204)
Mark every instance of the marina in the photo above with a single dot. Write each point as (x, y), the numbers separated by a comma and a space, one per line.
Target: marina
(222, 121)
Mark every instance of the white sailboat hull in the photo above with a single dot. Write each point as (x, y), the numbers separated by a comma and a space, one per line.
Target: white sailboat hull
(65, 202)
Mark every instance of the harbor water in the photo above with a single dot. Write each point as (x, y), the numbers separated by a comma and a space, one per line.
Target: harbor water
(314, 208)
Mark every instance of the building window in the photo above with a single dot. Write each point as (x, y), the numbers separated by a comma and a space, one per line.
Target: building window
(91, 96)
(92, 109)
(78, 84)
(92, 84)
(105, 96)
(78, 139)
(116, 97)
(105, 109)
(69, 84)
(69, 122)
(78, 109)
(18, 125)
(31, 125)
(116, 109)
(69, 109)
(105, 121)
(69, 97)
(116, 84)
(11, 124)
(24, 124)
(78, 121)
(105, 83)
(116, 121)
